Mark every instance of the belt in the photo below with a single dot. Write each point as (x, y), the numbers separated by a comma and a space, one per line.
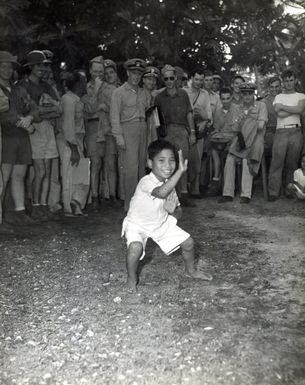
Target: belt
(289, 126)
(134, 120)
(92, 120)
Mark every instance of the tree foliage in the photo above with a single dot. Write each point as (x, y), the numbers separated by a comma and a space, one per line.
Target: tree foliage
(220, 33)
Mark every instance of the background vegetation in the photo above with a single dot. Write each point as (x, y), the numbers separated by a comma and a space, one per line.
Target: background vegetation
(224, 34)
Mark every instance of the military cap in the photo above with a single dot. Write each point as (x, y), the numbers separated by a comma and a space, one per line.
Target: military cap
(216, 76)
(179, 71)
(135, 64)
(167, 68)
(151, 71)
(110, 63)
(7, 57)
(35, 57)
(97, 59)
(247, 87)
(49, 56)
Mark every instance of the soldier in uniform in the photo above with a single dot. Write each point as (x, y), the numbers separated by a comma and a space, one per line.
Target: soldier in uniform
(128, 124)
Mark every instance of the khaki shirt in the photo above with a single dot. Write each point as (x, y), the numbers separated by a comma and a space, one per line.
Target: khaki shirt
(200, 102)
(227, 120)
(127, 105)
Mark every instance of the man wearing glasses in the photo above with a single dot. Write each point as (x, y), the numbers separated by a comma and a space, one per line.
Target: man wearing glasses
(175, 108)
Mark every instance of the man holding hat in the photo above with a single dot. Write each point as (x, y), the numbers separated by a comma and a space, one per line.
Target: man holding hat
(43, 143)
(127, 116)
(248, 146)
(16, 124)
(177, 113)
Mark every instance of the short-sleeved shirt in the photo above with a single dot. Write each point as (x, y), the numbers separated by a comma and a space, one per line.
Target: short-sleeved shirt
(214, 101)
(146, 210)
(200, 101)
(127, 105)
(227, 120)
(174, 108)
(289, 100)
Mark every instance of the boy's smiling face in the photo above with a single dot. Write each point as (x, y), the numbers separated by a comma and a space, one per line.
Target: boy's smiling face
(163, 165)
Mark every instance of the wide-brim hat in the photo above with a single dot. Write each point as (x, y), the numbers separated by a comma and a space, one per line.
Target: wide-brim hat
(49, 56)
(7, 57)
(35, 57)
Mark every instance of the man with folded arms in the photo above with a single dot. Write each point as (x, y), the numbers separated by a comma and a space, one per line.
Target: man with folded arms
(288, 140)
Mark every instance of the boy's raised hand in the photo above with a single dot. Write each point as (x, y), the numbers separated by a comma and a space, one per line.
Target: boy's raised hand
(182, 162)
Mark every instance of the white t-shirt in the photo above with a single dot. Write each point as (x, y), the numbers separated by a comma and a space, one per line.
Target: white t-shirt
(147, 211)
(299, 177)
(288, 100)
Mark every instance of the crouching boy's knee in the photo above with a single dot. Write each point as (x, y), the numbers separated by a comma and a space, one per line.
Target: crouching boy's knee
(188, 244)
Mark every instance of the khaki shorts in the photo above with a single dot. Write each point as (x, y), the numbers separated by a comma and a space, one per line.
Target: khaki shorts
(43, 141)
(168, 237)
(93, 148)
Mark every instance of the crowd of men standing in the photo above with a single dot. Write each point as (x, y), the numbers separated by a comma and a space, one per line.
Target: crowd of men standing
(68, 144)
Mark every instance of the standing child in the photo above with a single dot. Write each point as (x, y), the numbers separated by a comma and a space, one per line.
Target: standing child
(153, 211)
(297, 188)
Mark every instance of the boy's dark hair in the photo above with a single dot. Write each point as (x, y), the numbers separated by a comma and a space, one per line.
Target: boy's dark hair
(72, 79)
(197, 70)
(288, 74)
(157, 146)
(226, 90)
(238, 77)
(273, 79)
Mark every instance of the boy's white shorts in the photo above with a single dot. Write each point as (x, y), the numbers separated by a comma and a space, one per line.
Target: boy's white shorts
(168, 237)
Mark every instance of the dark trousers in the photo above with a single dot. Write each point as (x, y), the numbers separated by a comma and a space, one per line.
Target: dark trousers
(286, 151)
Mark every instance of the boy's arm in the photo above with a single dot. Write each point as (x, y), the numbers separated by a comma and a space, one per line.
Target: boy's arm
(163, 191)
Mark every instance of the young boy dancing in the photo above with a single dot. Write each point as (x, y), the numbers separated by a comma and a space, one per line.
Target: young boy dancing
(154, 210)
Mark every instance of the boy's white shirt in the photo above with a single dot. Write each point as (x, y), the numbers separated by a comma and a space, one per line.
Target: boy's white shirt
(146, 211)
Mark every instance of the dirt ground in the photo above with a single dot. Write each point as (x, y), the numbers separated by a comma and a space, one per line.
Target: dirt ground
(67, 320)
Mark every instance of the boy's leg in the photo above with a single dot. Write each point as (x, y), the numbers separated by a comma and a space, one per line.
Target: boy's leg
(135, 250)
(187, 248)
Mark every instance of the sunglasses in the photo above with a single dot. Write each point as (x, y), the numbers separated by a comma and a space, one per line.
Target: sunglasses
(169, 78)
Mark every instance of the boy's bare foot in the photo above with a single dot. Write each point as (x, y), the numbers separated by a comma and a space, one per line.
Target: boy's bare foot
(199, 275)
(131, 286)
